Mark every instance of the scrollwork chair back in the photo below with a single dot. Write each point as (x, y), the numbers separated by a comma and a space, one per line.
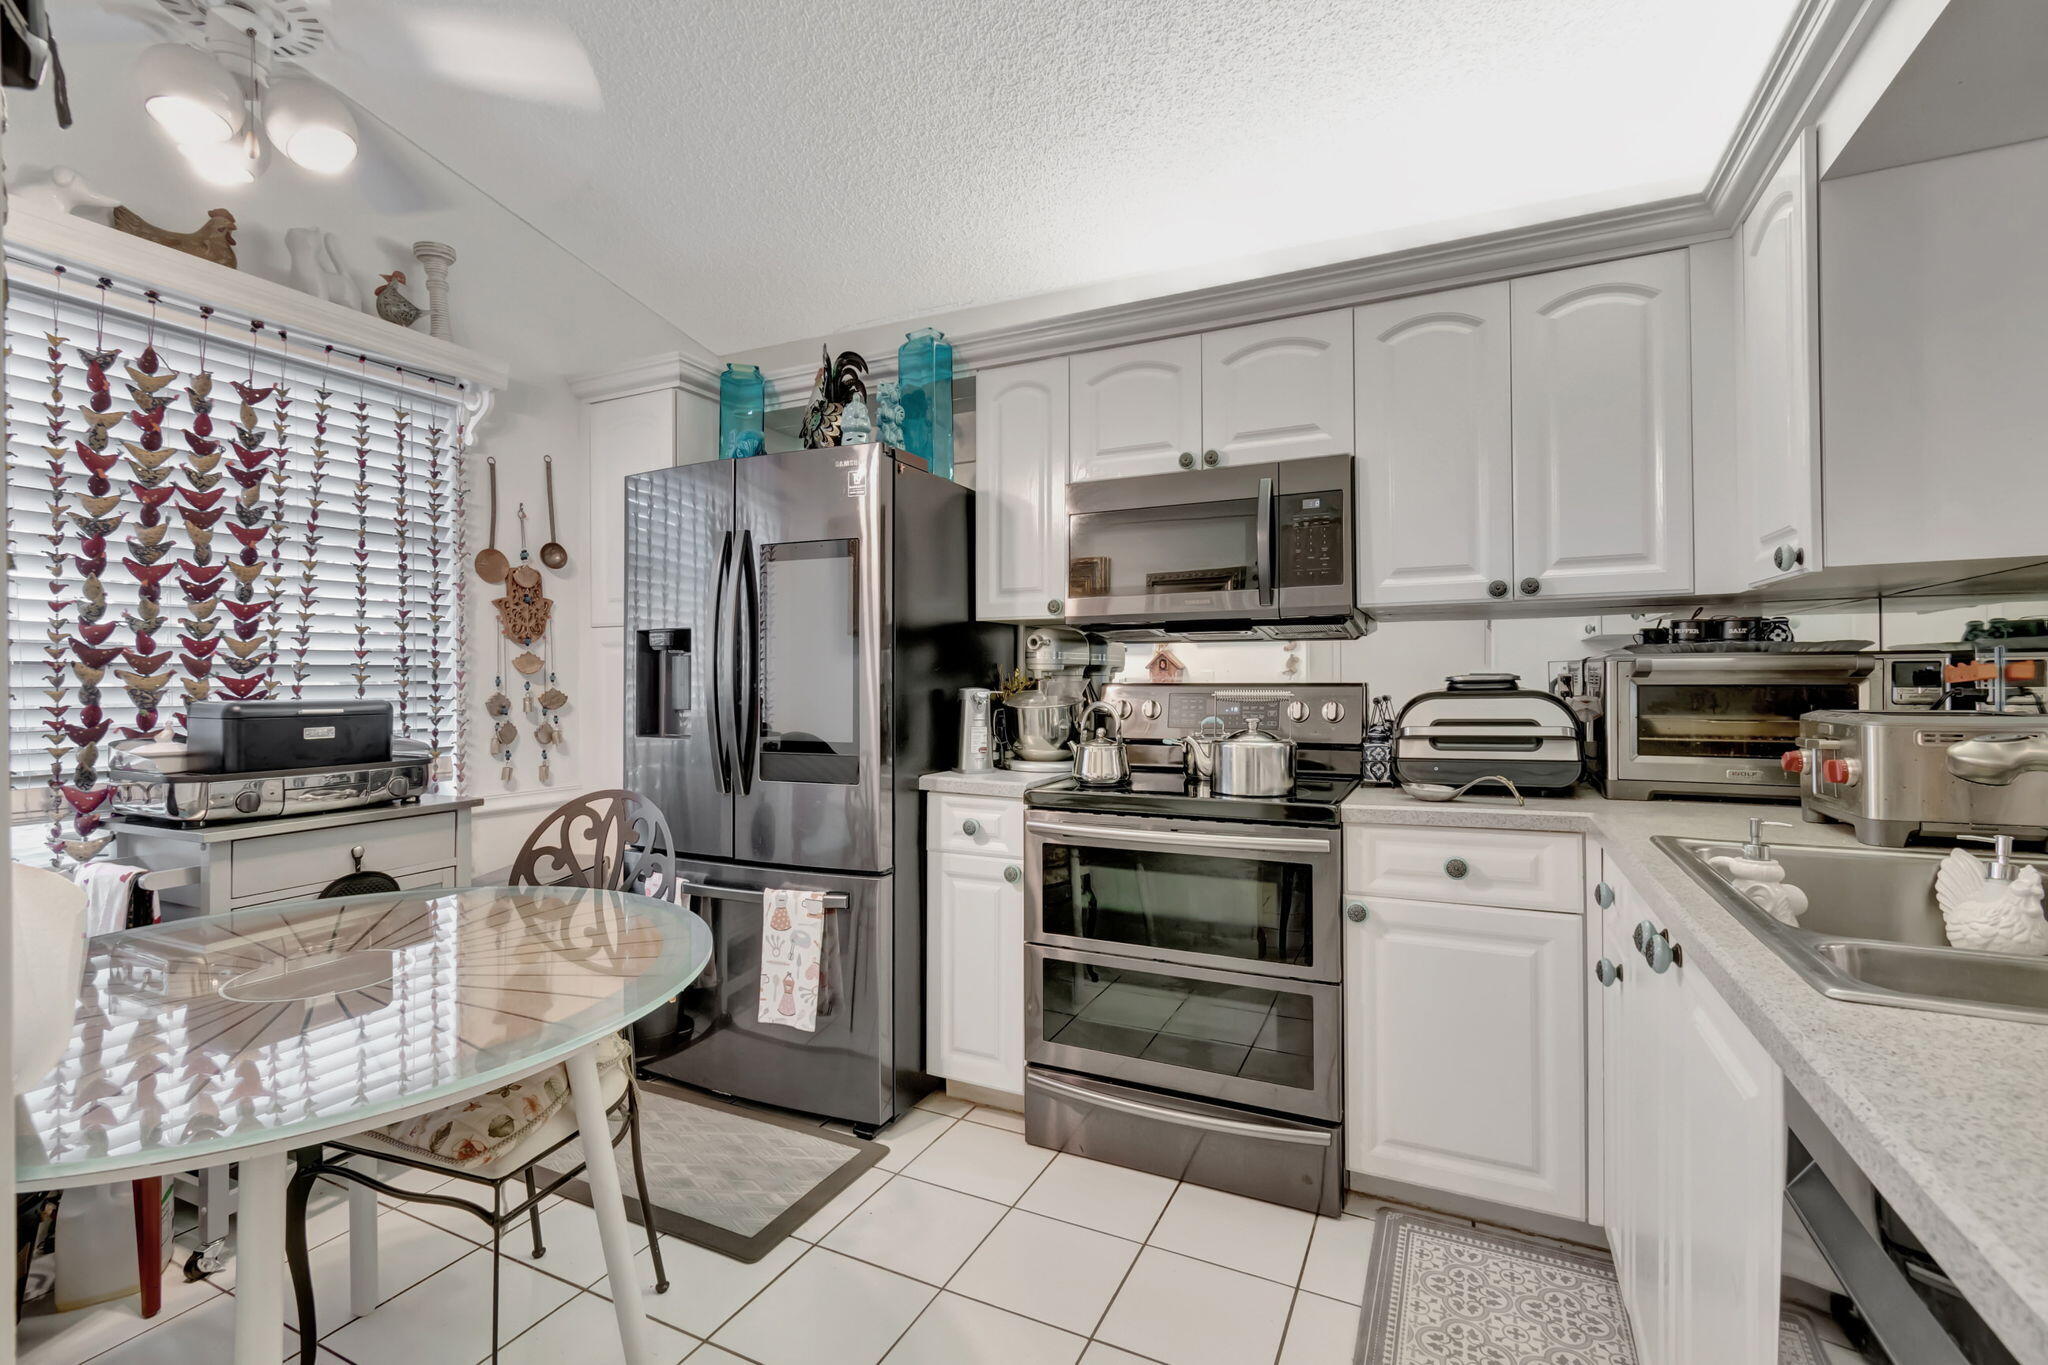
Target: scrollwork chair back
(607, 841)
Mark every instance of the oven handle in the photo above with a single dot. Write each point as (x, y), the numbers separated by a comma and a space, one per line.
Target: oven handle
(1207, 1124)
(1253, 843)
(1269, 564)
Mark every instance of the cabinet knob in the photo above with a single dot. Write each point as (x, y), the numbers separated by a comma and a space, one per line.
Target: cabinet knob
(1603, 895)
(1531, 586)
(1788, 558)
(1497, 588)
(970, 828)
(1187, 459)
(1605, 972)
(1210, 459)
(1644, 932)
(1053, 607)
(1662, 953)
(1455, 868)
(1013, 874)
(1355, 912)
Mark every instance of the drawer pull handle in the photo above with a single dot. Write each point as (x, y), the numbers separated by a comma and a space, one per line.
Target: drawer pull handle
(1013, 874)
(1603, 895)
(1606, 972)
(1644, 932)
(1356, 912)
(970, 828)
(1454, 868)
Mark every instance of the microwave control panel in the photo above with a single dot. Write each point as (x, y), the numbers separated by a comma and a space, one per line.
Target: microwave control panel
(1313, 552)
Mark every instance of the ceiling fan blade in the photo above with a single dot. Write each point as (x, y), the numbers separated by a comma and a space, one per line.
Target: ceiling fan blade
(535, 60)
(386, 172)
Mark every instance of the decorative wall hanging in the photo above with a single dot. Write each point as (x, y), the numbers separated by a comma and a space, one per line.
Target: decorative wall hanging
(838, 380)
(552, 554)
(434, 259)
(213, 240)
(491, 564)
(392, 304)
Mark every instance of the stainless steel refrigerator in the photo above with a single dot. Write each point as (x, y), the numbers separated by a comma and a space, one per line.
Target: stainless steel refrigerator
(799, 627)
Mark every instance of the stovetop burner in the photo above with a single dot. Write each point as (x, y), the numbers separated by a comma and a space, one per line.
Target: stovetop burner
(1158, 791)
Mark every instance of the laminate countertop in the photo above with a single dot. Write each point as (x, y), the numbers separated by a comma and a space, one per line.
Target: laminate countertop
(1947, 1115)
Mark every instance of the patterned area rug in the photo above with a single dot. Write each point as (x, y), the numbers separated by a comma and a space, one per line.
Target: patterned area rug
(1445, 1292)
(734, 1180)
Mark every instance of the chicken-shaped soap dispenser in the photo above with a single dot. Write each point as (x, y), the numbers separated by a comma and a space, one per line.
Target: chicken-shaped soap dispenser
(1994, 910)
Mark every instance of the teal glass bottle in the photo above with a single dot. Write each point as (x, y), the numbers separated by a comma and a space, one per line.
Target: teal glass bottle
(924, 365)
(742, 406)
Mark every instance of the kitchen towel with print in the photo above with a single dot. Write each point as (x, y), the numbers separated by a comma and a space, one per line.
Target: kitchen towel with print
(792, 930)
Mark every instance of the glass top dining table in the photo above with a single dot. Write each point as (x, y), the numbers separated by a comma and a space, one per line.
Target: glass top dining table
(202, 1039)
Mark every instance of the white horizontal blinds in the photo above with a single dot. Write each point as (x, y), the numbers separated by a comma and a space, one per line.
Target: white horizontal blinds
(251, 522)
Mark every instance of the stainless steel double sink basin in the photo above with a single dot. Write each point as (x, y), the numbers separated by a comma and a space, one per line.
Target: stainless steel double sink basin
(1872, 931)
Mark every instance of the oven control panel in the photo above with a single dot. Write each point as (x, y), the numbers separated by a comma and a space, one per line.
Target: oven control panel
(1308, 713)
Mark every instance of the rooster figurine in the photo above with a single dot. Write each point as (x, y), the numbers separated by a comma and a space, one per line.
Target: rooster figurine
(393, 306)
(213, 240)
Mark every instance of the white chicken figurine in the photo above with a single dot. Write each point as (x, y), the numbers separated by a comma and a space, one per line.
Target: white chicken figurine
(1991, 916)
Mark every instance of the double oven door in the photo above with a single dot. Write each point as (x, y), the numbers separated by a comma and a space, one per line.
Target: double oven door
(1196, 956)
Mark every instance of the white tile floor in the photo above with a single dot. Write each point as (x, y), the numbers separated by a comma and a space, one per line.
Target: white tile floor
(965, 1247)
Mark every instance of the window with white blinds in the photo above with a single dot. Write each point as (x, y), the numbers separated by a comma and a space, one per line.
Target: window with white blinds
(340, 578)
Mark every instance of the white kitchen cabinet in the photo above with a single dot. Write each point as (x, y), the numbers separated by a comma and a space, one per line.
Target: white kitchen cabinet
(1137, 409)
(1435, 448)
(1777, 450)
(1278, 390)
(1695, 1155)
(1020, 501)
(622, 436)
(974, 944)
(1465, 1051)
(1603, 430)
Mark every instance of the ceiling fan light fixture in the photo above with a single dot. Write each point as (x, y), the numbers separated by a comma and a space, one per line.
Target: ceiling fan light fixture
(227, 164)
(308, 123)
(190, 95)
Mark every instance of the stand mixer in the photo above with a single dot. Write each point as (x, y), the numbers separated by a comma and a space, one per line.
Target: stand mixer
(1067, 667)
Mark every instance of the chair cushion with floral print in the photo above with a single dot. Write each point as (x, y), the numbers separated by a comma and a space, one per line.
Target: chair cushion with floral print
(480, 1132)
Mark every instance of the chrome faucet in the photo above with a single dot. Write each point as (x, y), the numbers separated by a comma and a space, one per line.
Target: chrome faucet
(1995, 760)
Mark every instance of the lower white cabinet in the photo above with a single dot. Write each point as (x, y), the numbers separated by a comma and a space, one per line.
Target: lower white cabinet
(1695, 1151)
(974, 989)
(1465, 1050)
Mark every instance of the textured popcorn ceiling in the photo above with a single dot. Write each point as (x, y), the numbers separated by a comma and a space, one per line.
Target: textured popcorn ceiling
(766, 171)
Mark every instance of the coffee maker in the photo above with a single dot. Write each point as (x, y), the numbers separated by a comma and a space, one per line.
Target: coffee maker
(1036, 727)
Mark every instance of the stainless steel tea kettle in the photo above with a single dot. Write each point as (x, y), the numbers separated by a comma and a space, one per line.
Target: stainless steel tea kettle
(1100, 759)
(1253, 762)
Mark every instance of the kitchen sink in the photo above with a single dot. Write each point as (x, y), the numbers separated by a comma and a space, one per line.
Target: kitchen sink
(1873, 933)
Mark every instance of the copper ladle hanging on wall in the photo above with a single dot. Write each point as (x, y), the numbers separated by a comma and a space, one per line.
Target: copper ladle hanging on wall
(491, 563)
(552, 554)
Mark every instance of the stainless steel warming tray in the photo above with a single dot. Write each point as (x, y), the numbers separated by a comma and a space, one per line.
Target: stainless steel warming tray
(144, 790)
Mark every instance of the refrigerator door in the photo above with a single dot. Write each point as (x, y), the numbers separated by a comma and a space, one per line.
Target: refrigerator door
(680, 622)
(846, 1068)
(812, 708)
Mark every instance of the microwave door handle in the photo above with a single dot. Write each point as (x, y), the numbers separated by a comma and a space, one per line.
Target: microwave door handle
(1269, 565)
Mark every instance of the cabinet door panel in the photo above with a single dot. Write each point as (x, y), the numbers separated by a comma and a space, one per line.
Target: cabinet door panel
(1020, 503)
(975, 994)
(1278, 390)
(1435, 447)
(1777, 458)
(1466, 1052)
(1137, 409)
(1603, 429)
(1640, 1032)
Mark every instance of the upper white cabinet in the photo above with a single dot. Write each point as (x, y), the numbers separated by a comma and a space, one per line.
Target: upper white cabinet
(1278, 390)
(1020, 502)
(1435, 468)
(623, 436)
(1777, 449)
(1603, 430)
(1137, 409)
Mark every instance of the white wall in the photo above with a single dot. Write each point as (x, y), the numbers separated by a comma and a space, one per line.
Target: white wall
(515, 295)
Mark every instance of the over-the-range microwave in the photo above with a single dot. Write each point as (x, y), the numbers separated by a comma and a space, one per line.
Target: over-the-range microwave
(1233, 552)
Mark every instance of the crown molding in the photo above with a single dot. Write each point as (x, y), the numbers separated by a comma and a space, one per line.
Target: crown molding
(671, 370)
(38, 232)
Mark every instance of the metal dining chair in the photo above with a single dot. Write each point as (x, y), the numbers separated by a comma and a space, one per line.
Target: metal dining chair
(609, 841)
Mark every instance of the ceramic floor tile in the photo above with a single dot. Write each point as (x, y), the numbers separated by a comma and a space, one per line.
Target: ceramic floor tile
(467, 1226)
(826, 1310)
(447, 1317)
(705, 1288)
(846, 1201)
(1230, 1230)
(1187, 1312)
(81, 1334)
(586, 1330)
(707, 1354)
(997, 1118)
(1102, 1353)
(958, 1331)
(939, 1102)
(569, 1232)
(1095, 1194)
(1338, 1253)
(1048, 1270)
(910, 1135)
(924, 1231)
(206, 1333)
(976, 1159)
(408, 1251)
(1320, 1331)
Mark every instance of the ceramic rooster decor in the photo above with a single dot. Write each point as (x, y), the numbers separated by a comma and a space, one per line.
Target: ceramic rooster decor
(1990, 916)
(393, 306)
(213, 241)
(838, 381)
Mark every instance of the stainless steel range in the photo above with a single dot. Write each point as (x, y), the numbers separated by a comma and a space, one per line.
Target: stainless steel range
(1183, 990)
